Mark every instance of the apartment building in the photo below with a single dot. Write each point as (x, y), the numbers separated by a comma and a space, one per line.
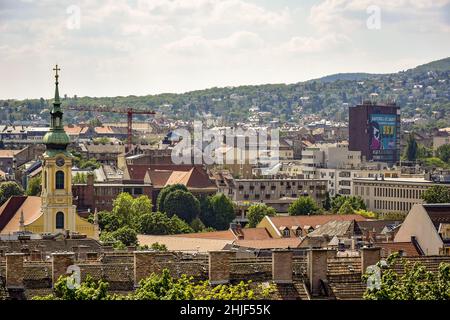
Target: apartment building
(386, 195)
(340, 181)
(328, 155)
(276, 192)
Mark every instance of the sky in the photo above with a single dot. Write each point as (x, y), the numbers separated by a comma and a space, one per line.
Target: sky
(140, 47)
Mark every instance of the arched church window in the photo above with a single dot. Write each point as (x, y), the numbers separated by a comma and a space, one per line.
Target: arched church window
(59, 180)
(60, 220)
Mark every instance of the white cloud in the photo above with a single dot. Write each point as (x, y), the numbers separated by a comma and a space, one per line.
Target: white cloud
(351, 15)
(147, 46)
(316, 44)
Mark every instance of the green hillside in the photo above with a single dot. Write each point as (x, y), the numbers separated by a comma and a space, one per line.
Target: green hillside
(419, 94)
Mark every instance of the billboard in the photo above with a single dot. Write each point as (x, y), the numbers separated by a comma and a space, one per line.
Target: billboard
(382, 129)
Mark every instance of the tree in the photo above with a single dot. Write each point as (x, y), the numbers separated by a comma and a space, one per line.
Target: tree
(305, 205)
(165, 192)
(178, 225)
(122, 207)
(80, 178)
(414, 282)
(140, 206)
(367, 214)
(197, 225)
(336, 203)
(164, 287)
(158, 223)
(89, 289)
(34, 186)
(108, 221)
(257, 212)
(357, 203)
(160, 287)
(443, 152)
(437, 194)
(95, 122)
(327, 202)
(346, 208)
(218, 212)
(9, 189)
(125, 235)
(411, 148)
(127, 209)
(155, 223)
(158, 247)
(183, 204)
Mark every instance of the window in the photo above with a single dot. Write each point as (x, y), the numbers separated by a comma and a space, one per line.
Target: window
(286, 233)
(59, 180)
(60, 220)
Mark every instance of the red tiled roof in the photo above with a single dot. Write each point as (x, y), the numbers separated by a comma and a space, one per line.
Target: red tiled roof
(159, 177)
(164, 175)
(74, 130)
(103, 130)
(11, 211)
(8, 153)
(408, 248)
(313, 221)
(255, 234)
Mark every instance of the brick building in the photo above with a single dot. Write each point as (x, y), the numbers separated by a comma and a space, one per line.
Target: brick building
(374, 129)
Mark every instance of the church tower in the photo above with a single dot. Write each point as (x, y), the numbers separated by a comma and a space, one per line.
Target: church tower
(59, 213)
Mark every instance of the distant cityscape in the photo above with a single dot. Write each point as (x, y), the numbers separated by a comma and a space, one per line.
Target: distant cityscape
(305, 210)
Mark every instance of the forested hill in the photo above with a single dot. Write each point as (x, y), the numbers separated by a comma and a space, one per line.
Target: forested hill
(419, 92)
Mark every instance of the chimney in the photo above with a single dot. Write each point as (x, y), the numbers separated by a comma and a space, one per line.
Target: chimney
(369, 257)
(220, 266)
(282, 266)
(14, 270)
(61, 262)
(317, 269)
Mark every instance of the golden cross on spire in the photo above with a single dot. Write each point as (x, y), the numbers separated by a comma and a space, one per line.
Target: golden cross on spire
(56, 69)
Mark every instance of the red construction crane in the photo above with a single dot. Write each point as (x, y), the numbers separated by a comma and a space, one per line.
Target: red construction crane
(128, 111)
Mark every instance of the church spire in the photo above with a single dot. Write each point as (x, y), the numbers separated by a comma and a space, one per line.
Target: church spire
(57, 101)
(56, 138)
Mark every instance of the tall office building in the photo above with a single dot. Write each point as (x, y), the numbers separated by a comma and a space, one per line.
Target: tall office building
(374, 129)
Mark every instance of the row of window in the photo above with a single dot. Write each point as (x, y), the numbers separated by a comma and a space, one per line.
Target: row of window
(398, 193)
(392, 205)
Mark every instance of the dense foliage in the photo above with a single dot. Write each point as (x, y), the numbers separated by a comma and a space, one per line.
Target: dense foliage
(419, 91)
(182, 204)
(160, 287)
(34, 186)
(415, 282)
(160, 201)
(411, 148)
(304, 205)
(437, 194)
(347, 204)
(158, 223)
(443, 153)
(256, 212)
(89, 289)
(217, 212)
(9, 189)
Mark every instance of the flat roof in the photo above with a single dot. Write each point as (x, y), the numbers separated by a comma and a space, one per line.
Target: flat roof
(407, 180)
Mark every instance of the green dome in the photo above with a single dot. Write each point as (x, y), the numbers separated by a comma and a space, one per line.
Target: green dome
(56, 139)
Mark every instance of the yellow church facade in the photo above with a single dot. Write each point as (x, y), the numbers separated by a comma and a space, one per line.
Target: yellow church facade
(57, 212)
